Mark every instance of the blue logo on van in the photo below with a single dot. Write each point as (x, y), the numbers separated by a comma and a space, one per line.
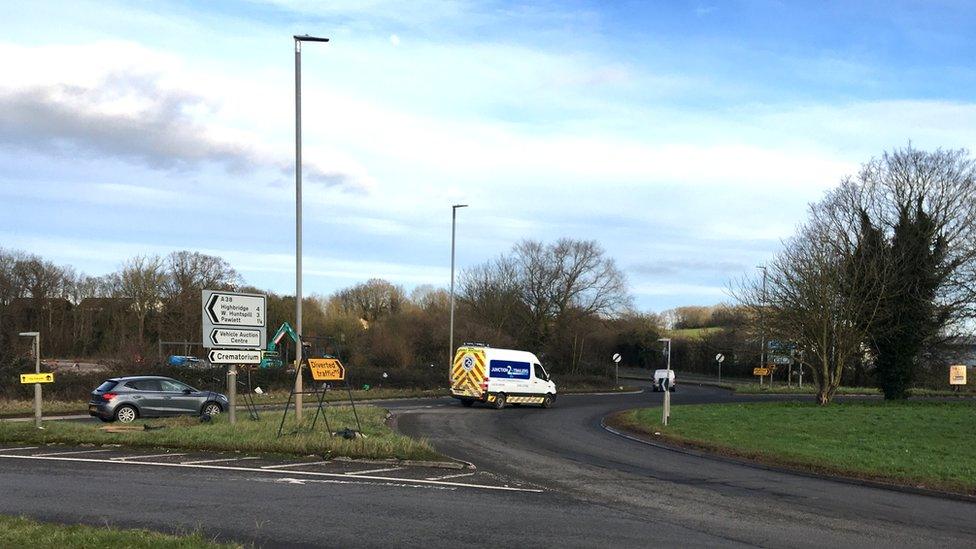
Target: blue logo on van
(508, 369)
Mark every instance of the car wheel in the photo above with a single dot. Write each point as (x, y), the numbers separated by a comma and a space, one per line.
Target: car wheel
(547, 401)
(126, 414)
(499, 401)
(467, 403)
(211, 409)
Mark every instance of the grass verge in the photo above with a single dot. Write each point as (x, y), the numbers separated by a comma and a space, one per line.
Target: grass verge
(188, 433)
(922, 444)
(24, 532)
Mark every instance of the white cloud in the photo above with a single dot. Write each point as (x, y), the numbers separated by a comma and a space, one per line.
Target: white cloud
(395, 40)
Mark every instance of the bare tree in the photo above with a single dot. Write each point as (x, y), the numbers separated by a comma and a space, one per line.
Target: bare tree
(374, 299)
(143, 279)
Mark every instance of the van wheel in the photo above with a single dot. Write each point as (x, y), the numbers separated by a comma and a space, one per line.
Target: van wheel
(499, 401)
(467, 403)
(547, 401)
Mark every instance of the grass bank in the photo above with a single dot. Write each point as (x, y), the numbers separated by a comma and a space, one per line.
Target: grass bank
(924, 444)
(23, 532)
(188, 433)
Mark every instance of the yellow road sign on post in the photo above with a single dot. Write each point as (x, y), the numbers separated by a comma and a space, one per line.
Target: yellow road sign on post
(327, 369)
(760, 372)
(957, 374)
(36, 378)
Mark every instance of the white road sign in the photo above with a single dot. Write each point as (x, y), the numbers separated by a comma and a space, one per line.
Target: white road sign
(238, 310)
(720, 358)
(238, 356)
(245, 338)
(616, 357)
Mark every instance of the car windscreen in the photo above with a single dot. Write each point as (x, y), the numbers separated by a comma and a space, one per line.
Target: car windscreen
(107, 385)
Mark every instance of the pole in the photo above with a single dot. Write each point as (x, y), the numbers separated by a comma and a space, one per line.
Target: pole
(298, 229)
(762, 330)
(232, 392)
(719, 371)
(616, 374)
(450, 349)
(37, 386)
(666, 413)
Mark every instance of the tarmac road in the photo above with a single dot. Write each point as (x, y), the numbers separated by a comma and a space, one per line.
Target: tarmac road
(544, 478)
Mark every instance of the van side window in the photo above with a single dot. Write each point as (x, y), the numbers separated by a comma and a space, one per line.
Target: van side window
(539, 372)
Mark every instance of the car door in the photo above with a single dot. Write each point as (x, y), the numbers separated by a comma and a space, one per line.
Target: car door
(147, 397)
(176, 397)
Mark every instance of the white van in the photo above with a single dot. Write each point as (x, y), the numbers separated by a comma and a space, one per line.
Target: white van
(500, 377)
(660, 376)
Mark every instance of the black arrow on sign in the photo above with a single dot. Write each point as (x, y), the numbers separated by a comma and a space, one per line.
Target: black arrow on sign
(213, 336)
(210, 311)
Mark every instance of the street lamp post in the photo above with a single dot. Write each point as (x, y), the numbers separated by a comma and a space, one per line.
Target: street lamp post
(37, 370)
(666, 408)
(298, 216)
(450, 349)
(762, 328)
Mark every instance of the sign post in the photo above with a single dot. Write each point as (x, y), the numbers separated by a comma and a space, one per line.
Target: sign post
(234, 331)
(720, 358)
(37, 371)
(616, 368)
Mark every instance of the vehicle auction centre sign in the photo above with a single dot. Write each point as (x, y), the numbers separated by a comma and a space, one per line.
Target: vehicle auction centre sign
(327, 369)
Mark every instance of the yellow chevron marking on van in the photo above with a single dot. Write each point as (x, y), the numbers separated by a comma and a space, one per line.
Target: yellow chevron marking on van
(525, 400)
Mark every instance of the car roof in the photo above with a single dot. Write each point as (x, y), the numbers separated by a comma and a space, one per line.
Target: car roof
(137, 378)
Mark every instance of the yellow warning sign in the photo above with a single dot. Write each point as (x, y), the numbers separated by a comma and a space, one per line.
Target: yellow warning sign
(37, 378)
(957, 374)
(327, 369)
(760, 372)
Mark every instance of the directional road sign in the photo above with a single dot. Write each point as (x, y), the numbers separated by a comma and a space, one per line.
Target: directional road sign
(232, 320)
(238, 356)
(782, 360)
(237, 338)
(37, 378)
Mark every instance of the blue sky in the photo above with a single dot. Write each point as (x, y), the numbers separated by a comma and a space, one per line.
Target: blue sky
(687, 138)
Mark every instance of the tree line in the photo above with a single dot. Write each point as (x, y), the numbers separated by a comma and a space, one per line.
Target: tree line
(882, 273)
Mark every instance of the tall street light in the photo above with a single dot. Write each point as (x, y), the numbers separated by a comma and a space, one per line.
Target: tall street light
(762, 328)
(37, 370)
(450, 349)
(666, 407)
(298, 216)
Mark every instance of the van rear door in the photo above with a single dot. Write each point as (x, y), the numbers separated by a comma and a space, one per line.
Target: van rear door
(468, 372)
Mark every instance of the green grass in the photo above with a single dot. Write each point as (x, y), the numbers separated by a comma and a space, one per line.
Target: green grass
(694, 333)
(810, 389)
(24, 532)
(188, 433)
(928, 444)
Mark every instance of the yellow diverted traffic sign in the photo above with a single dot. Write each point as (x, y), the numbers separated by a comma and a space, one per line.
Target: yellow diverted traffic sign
(760, 372)
(957, 374)
(36, 378)
(327, 369)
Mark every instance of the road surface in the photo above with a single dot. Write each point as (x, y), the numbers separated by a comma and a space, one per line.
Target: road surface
(543, 478)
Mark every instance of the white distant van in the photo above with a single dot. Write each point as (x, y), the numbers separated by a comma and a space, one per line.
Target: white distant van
(660, 376)
(500, 377)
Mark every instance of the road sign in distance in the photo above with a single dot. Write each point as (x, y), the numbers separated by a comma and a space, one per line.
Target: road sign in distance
(616, 357)
(245, 338)
(760, 372)
(957, 374)
(720, 358)
(234, 356)
(37, 378)
(231, 309)
(327, 369)
(782, 360)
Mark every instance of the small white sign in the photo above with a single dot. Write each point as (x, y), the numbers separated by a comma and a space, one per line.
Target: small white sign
(234, 356)
(720, 358)
(616, 357)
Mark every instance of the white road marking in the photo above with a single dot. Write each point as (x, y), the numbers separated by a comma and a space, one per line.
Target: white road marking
(370, 471)
(383, 480)
(303, 481)
(21, 448)
(445, 477)
(146, 457)
(72, 452)
(217, 460)
(287, 465)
